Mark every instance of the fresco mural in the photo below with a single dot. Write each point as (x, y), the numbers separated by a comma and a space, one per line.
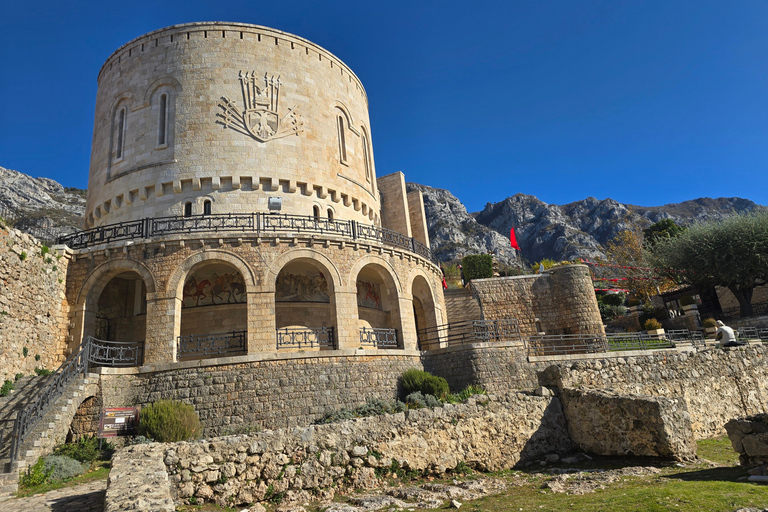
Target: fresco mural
(214, 284)
(307, 286)
(368, 295)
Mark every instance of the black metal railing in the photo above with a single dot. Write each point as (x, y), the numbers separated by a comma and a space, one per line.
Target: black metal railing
(204, 345)
(378, 337)
(254, 223)
(570, 344)
(23, 222)
(471, 331)
(92, 352)
(305, 337)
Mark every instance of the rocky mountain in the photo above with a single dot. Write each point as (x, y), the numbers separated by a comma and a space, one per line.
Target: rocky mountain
(566, 232)
(543, 230)
(44, 201)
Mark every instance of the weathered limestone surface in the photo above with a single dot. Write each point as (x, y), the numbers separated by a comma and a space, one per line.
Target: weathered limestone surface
(605, 423)
(33, 305)
(749, 437)
(138, 481)
(716, 385)
(487, 433)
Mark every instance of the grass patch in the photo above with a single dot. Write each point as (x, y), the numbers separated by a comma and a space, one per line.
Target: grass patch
(718, 450)
(99, 471)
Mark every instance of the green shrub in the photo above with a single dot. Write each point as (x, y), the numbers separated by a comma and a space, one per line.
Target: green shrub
(709, 322)
(43, 371)
(36, 475)
(469, 391)
(17, 377)
(651, 323)
(374, 407)
(7, 387)
(25, 351)
(416, 400)
(86, 449)
(417, 380)
(169, 421)
(477, 266)
(59, 467)
(687, 300)
(23, 255)
(44, 250)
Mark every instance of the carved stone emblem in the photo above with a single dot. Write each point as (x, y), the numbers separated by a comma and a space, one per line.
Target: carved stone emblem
(260, 117)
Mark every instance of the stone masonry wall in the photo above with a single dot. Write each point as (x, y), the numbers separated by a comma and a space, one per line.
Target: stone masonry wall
(33, 305)
(716, 385)
(266, 394)
(358, 453)
(562, 300)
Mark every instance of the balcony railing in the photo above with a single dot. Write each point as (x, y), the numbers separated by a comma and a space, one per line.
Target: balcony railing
(205, 345)
(379, 338)
(304, 337)
(246, 223)
(115, 353)
(472, 331)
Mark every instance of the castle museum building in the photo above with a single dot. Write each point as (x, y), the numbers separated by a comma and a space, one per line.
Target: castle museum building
(234, 208)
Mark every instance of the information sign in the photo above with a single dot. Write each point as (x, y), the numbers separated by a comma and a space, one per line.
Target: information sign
(118, 421)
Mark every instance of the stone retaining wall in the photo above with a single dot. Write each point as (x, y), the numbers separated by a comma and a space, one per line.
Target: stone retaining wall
(33, 305)
(749, 437)
(303, 464)
(246, 393)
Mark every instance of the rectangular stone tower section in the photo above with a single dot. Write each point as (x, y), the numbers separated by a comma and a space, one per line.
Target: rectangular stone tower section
(417, 216)
(395, 213)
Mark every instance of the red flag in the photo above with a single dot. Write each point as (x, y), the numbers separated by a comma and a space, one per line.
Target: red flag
(512, 239)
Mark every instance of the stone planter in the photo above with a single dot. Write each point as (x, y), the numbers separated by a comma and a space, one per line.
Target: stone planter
(710, 331)
(656, 333)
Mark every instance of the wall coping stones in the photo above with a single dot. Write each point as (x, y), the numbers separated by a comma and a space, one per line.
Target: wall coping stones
(258, 357)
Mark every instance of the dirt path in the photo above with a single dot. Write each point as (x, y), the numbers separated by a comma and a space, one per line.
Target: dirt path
(81, 498)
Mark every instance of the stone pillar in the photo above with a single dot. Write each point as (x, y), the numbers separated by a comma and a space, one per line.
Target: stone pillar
(407, 328)
(163, 328)
(395, 214)
(81, 320)
(261, 322)
(418, 217)
(572, 290)
(346, 318)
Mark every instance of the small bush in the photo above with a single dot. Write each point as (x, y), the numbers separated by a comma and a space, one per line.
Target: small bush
(44, 250)
(651, 323)
(43, 371)
(25, 351)
(59, 467)
(416, 400)
(374, 407)
(86, 449)
(37, 357)
(23, 255)
(139, 440)
(6, 389)
(36, 475)
(17, 377)
(477, 266)
(417, 380)
(169, 421)
(687, 300)
(709, 322)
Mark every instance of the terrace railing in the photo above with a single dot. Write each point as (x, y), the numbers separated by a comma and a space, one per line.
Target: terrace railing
(216, 344)
(304, 337)
(568, 344)
(23, 222)
(379, 338)
(471, 331)
(254, 223)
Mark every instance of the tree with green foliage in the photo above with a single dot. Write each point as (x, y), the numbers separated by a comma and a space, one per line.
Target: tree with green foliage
(662, 230)
(732, 253)
(477, 266)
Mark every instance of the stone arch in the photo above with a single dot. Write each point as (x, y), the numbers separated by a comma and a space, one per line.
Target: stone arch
(378, 293)
(425, 313)
(341, 107)
(175, 286)
(210, 291)
(112, 303)
(167, 81)
(272, 270)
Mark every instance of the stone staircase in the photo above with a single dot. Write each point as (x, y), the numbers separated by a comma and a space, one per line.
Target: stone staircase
(461, 306)
(51, 430)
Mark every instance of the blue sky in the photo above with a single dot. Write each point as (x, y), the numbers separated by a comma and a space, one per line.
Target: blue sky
(647, 102)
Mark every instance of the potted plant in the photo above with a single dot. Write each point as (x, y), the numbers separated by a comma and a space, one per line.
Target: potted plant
(653, 327)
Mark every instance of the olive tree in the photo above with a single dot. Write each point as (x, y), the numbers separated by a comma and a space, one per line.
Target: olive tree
(732, 253)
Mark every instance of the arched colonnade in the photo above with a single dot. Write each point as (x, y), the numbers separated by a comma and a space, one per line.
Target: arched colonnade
(217, 303)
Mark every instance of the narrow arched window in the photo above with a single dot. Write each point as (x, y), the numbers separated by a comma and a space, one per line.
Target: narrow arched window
(207, 208)
(120, 133)
(330, 214)
(366, 158)
(342, 141)
(188, 209)
(316, 212)
(162, 120)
